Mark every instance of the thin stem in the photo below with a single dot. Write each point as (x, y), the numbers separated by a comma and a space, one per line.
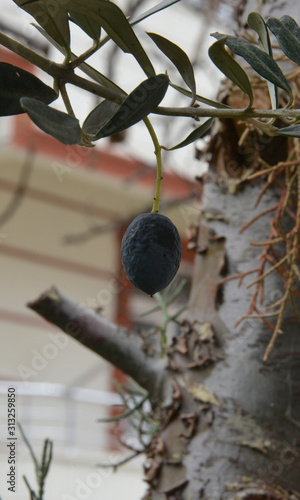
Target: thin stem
(28, 54)
(241, 114)
(125, 414)
(85, 55)
(121, 462)
(159, 172)
(65, 98)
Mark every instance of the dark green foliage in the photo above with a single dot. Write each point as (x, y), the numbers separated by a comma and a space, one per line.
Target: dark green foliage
(16, 83)
(291, 131)
(51, 16)
(178, 58)
(223, 60)
(140, 102)
(258, 59)
(287, 33)
(151, 252)
(60, 125)
(257, 23)
(87, 24)
(99, 116)
(196, 134)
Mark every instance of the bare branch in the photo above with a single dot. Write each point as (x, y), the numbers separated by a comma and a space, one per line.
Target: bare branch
(117, 345)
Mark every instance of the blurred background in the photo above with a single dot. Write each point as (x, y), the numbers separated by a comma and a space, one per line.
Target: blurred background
(63, 212)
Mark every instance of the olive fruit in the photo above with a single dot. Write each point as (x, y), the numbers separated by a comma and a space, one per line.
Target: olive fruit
(151, 252)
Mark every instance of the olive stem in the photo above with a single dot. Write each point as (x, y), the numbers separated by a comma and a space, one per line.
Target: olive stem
(66, 100)
(159, 172)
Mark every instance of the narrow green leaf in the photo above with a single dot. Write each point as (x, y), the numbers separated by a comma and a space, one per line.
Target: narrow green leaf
(99, 116)
(15, 83)
(179, 58)
(60, 125)
(230, 67)
(287, 33)
(193, 136)
(209, 102)
(259, 60)
(52, 16)
(257, 23)
(116, 25)
(291, 131)
(87, 24)
(160, 6)
(140, 102)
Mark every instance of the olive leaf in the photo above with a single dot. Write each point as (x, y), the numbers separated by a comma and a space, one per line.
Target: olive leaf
(179, 58)
(117, 26)
(15, 83)
(193, 136)
(60, 125)
(257, 23)
(143, 100)
(87, 24)
(223, 60)
(287, 33)
(52, 16)
(112, 19)
(99, 116)
(258, 59)
(291, 131)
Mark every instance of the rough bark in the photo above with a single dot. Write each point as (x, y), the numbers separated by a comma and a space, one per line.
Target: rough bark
(255, 432)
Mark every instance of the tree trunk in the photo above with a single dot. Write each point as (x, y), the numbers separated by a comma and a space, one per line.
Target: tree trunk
(251, 441)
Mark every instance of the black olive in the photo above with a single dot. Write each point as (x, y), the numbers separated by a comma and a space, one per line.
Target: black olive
(151, 252)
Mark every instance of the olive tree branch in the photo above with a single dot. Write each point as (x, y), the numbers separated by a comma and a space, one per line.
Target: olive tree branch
(65, 73)
(122, 348)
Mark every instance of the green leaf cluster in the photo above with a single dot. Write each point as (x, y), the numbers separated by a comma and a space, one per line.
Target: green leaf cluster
(104, 21)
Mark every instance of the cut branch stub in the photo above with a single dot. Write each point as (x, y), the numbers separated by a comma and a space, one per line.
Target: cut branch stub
(117, 345)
